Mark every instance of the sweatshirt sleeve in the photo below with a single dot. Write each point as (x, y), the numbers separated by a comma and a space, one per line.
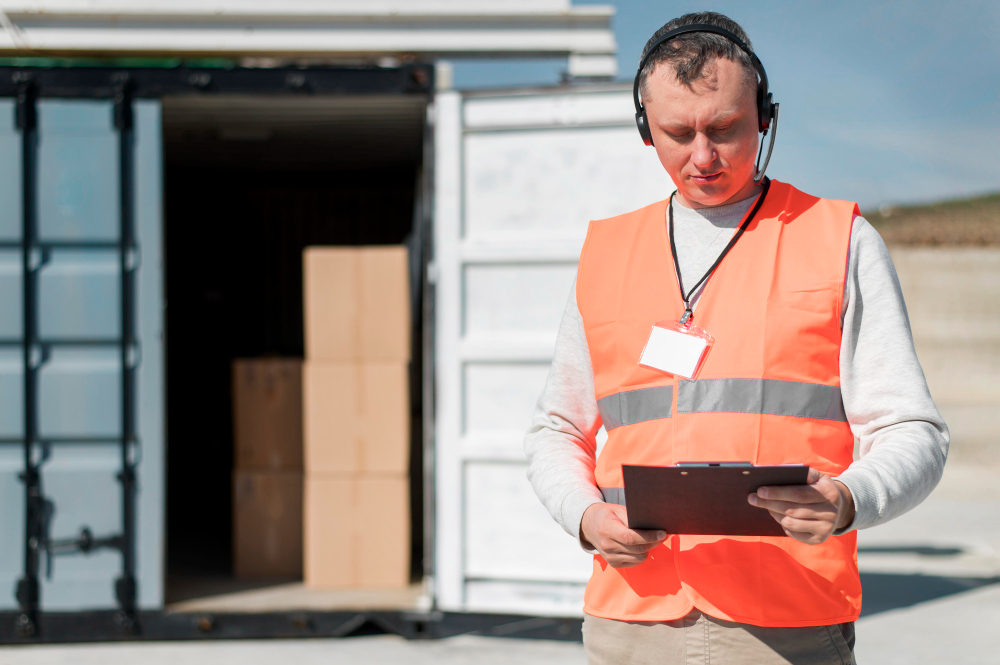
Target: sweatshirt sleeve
(561, 444)
(903, 439)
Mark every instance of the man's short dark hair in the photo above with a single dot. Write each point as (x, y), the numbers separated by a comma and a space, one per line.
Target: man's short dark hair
(691, 53)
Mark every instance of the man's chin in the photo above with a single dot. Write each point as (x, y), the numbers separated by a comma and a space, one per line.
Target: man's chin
(709, 194)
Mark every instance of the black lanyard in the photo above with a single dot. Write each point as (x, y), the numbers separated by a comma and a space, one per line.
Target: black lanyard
(673, 249)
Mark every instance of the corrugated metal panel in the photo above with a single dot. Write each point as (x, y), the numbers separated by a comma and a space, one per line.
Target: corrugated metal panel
(518, 178)
(79, 324)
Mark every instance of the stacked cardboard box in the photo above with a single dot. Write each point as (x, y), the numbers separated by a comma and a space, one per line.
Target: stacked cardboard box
(267, 475)
(356, 417)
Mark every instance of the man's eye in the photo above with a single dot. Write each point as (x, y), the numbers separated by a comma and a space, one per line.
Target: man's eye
(679, 136)
(723, 129)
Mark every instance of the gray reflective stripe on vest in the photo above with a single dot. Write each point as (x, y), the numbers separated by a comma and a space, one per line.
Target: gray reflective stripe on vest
(614, 495)
(636, 406)
(769, 396)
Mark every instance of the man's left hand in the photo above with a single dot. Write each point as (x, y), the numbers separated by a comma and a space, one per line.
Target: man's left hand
(808, 513)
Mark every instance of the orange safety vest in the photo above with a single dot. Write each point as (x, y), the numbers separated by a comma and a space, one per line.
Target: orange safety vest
(768, 393)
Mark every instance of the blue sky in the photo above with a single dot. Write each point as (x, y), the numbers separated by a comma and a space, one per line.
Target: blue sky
(881, 102)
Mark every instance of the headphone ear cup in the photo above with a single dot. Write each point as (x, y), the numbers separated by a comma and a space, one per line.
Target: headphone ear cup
(643, 126)
(765, 109)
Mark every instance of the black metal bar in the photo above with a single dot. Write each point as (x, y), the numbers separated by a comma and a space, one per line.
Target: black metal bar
(64, 342)
(85, 543)
(125, 586)
(43, 440)
(66, 244)
(154, 82)
(27, 591)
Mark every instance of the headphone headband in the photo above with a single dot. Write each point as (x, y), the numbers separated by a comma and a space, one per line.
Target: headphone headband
(765, 106)
(697, 27)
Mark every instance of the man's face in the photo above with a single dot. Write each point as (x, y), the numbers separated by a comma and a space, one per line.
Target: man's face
(706, 133)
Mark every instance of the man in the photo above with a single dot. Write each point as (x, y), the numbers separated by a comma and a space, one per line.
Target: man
(812, 350)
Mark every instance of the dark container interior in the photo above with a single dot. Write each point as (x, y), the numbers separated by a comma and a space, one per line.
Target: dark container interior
(249, 183)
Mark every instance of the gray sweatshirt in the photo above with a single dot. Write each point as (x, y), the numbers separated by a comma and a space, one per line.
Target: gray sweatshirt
(903, 440)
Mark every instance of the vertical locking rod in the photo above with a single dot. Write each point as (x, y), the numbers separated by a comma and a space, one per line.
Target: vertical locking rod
(125, 586)
(27, 591)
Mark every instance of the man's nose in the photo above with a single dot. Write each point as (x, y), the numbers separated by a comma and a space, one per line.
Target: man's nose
(703, 152)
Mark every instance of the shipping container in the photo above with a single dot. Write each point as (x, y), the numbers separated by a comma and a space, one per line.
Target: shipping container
(153, 230)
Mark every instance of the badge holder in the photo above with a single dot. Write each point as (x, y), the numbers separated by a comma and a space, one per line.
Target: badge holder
(677, 348)
(680, 347)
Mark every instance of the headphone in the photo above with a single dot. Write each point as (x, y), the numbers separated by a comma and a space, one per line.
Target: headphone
(767, 108)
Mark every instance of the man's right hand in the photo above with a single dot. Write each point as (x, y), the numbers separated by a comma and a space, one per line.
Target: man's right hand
(604, 527)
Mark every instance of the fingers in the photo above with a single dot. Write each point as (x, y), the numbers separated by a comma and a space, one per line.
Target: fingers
(635, 537)
(620, 561)
(811, 532)
(619, 512)
(792, 493)
(616, 537)
(804, 511)
(807, 513)
(641, 539)
(814, 476)
(625, 539)
(820, 488)
(622, 547)
(620, 556)
(627, 544)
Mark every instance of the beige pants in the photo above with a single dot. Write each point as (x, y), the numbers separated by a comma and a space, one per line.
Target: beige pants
(697, 638)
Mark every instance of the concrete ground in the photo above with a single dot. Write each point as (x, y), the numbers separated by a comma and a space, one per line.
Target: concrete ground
(932, 578)
(381, 650)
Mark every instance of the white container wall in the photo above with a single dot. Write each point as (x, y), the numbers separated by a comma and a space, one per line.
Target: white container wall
(517, 176)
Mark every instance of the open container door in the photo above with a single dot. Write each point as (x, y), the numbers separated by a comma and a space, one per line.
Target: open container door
(81, 355)
(518, 176)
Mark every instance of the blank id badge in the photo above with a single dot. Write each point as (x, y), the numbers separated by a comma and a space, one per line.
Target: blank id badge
(676, 348)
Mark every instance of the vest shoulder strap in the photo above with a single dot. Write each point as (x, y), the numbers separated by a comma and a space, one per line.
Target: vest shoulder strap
(612, 239)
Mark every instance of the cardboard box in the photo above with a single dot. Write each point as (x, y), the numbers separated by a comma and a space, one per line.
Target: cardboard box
(267, 524)
(356, 417)
(267, 414)
(357, 531)
(357, 303)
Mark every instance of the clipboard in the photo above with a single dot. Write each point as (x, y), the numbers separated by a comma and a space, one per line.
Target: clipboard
(704, 498)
